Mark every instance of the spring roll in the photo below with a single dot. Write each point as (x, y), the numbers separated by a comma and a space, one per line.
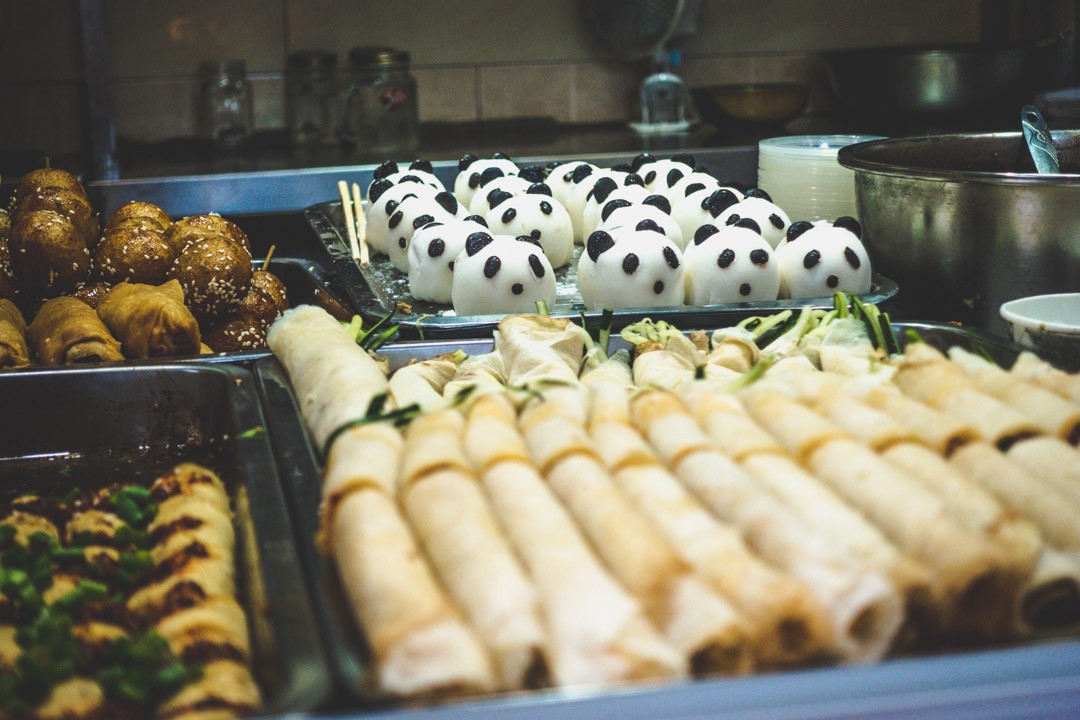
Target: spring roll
(14, 352)
(599, 633)
(447, 508)
(67, 331)
(150, 320)
(940, 432)
(733, 348)
(1051, 595)
(1052, 460)
(213, 630)
(865, 609)
(539, 348)
(476, 375)
(1031, 367)
(421, 383)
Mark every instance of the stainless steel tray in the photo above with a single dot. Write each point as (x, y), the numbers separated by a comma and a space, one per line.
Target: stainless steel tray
(378, 289)
(59, 425)
(987, 679)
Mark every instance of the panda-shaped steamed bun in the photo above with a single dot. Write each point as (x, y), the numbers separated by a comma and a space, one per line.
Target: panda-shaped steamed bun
(418, 170)
(500, 274)
(471, 168)
(432, 252)
(628, 268)
(730, 263)
(661, 175)
(654, 212)
(384, 197)
(759, 207)
(412, 214)
(819, 260)
(702, 207)
(539, 216)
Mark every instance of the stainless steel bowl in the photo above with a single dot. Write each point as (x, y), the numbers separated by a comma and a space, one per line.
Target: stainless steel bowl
(963, 222)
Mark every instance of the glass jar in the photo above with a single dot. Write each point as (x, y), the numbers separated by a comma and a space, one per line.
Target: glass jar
(226, 109)
(379, 106)
(311, 97)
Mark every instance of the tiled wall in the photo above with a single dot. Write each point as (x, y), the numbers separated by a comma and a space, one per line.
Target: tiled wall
(473, 59)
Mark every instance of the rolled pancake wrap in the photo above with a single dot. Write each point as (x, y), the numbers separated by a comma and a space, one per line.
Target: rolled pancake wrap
(1052, 460)
(476, 375)
(940, 432)
(540, 348)
(150, 320)
(659, 368)
(421, 383)
(1050, 597)
(217, 626)
(14, 352)
(226, 689)
(1031, 367)
(66, 331)
(446, 506)
(733, 348)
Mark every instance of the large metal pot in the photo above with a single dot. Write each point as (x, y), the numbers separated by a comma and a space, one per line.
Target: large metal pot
(963, 222)
(907, 90)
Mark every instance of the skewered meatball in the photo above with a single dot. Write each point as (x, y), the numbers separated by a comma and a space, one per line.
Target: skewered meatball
(92, 293)
(47, 254)
(215, 273)
(136, 251)
(139, 209)
(47, 177)
(186, 230)
(7, 276)
(235, 333)
(266, 298)
(68, 203)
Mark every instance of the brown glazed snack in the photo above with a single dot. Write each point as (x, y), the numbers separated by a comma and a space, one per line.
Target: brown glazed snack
(66, 330)
(246, 328)
(14, 352)
(47, 253)
(92, 293)
(215, 273)
(66, 202)
(7, 276)
(134, 250)
(150, 321)
(139, 209)
(46, 177)
(186, 230)
(266, 298)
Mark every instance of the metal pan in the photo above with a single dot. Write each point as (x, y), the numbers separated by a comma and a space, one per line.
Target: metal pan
(834, 687)
(378, 290)
(57, 426)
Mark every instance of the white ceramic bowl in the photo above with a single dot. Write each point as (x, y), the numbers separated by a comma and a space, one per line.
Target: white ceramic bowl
(1048, 324)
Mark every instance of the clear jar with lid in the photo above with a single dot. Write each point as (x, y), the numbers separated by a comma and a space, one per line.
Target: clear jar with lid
(311, 97)
(226, 114)
(379, 113)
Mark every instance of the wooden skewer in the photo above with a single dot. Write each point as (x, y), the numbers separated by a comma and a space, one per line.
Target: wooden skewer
(350, 222)
(269, 254)
(361, 226)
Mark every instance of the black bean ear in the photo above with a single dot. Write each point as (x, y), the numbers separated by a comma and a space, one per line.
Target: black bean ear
(447, 201)
(500, 156)
(633, 179)
(378, 188)
(598, 244)
(496, 197)
(849, 223)
(797, 228)
(539, 188)
(474, 180)
(602, 188)
(749, 224)
(659, 202)
(465, 161)
(720, 201)
(387, 168)
(552, 164)
(478, 219)
(674, 175)
(613, 205)
(581, 172)
(490, 174)
(410, 178)
(477, 242)
(532, 173)
(733, 218)
(693, 188)
(684, 158)
(623, 167)
(757, 193)
(528, 239)
(702, 169)
(433, 223)
(422, 221)
(705, 232)
(648, 224)
(640, 159)
(422, 165)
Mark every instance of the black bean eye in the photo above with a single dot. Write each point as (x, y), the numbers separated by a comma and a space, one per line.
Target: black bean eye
(733, 218)
(671, 257)
(630, 263)
(658, 287)
(545, 207)
(749, 224)
(422, 221)
(477, 242)
(811, 259)
(832, 281)
(759, 257)
(797, 228)
(726, 258)
(474, 180)
(849, 223)
(852, 259)
(776, 221)
(537, 266)
(744, 289)
(436, 248)
(517, 288)
(650, 225)
(492, 266)
(598, 243)
(649, 177)
(509, 215)
(705, 232)
(395, 219)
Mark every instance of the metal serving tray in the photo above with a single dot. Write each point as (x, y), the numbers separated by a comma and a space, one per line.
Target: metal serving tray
(1029, 680)
(378, 289)
(133, 422)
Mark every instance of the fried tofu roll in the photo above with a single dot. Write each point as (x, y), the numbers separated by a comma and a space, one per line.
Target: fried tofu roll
(540, 348)
(599, 633)
(446, 506)
(150, 320)
(14, 352)
(66, 331)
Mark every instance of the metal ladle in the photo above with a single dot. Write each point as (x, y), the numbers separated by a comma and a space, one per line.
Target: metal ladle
(1039, 142)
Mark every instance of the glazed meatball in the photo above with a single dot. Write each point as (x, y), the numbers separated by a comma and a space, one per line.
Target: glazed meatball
(136, 251)
(47, 177)
(186, 230)
(266, 298)
(47, 254)
(235, 333)
(67, 203)
(92, 293)
(139, 209)
(215, 273)
(8, 288)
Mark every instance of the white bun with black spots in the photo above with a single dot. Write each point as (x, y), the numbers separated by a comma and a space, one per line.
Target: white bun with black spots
(730, 263)
(500, 274)
(579, 196)
(420, 170)
(653, 213)
(628, 268)
(819, 260)
(412, 214)
(606, 190)
(432, 252)
(513, 184)
(702, 207)
(561, 179)
(384, 197)
(661, 175)
(470, 170)
(697, 180)
(759, 207)
(538, 215)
